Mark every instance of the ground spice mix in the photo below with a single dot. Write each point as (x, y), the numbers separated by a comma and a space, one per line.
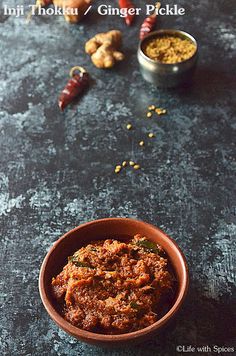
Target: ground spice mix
(169, 49)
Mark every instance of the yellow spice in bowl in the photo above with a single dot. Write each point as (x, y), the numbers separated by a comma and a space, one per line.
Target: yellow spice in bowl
(169, 49)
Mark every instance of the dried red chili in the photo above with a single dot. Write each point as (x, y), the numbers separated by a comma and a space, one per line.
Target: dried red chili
(149, 23)
(43, 2)
(75, 86)
(127, 4)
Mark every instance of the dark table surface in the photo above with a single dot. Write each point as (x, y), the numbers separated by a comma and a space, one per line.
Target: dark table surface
(57, 169)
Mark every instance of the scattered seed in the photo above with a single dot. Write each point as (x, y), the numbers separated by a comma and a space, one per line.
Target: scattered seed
(129, 126)
(151, 135)
(149, 114)
(141, 143)
(136, 166)
(131, 163)
(151, 107)
(160, 111)
(124, 164)
(118, 168)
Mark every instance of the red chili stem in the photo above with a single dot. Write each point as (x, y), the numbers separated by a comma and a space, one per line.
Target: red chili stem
(127, 4)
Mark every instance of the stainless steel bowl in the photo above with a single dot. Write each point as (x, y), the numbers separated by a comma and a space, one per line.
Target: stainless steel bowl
(163, 74)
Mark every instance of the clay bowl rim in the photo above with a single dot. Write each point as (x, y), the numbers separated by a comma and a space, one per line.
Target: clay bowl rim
(103, 338)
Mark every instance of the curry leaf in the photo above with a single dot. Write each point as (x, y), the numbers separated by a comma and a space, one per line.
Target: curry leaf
(134, 305)
(77, 263)
(148, 245)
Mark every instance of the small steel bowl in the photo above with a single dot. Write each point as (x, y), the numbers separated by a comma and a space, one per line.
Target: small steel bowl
(163, 74)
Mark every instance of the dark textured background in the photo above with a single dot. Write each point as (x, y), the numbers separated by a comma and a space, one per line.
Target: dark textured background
(56, 170)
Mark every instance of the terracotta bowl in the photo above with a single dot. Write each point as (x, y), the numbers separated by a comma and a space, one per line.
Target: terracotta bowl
(118, 228)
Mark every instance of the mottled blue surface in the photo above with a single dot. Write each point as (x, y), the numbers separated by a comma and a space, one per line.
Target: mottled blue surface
(57, 170)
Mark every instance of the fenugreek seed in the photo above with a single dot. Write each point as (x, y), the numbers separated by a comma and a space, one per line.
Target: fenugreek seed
(141, 143)
(129, 126)
(149, 114)
(160, 111)
(124, 164)
(151, 107)
(118, 167)
(117, 171)
(131, 163)
(151, 135)
(136, 166)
